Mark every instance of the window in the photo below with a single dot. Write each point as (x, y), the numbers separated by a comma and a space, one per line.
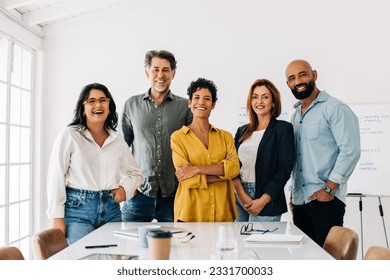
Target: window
(16, 64)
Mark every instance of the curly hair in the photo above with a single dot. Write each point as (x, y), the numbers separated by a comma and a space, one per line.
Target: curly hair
(203, 83)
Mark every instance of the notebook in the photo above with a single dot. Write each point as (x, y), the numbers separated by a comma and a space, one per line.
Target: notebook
(282, 239)
(98, 256)
(134, 230)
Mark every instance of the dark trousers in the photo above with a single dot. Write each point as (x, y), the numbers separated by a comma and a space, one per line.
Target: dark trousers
(316, 218)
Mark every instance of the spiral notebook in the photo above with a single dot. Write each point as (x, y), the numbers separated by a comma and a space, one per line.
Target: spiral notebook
(282, 239)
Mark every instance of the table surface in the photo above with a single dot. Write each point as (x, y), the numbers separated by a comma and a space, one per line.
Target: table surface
(202, 247)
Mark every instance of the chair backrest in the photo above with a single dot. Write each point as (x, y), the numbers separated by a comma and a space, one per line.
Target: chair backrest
(10, 253)
(48, 243)
(377, 253)
(342, 243)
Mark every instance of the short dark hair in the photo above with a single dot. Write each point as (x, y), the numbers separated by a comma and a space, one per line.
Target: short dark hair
(203, 83)
(79, 118)
(160, 54)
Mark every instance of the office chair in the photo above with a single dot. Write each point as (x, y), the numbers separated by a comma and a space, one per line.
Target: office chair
(342, 243)
(377, 253)
(10, 253)
(48, 242)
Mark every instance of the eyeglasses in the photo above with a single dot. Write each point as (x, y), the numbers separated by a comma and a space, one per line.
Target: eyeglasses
(248, 229)
(187, 237)
(92, 101)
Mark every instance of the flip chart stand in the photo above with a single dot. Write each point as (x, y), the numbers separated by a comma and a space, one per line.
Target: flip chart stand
(361, 216)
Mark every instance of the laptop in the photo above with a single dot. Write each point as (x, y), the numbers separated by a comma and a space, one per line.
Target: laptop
(133, 231)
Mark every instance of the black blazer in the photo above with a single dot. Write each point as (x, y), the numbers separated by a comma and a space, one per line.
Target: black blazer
(274, 162)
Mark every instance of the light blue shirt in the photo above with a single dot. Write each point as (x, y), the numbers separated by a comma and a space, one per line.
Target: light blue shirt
(327, 142)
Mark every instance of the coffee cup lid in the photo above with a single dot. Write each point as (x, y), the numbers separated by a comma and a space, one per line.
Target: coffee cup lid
(159, 234)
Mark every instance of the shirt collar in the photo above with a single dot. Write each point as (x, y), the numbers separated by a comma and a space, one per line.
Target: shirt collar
(112, 135)
(147, 96)
(186, 129)
(321, 97)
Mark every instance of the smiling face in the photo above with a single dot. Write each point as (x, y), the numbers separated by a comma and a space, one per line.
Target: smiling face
(160, 75)
(96, 107)
(262, 101)
(201, 103)
(301, 79)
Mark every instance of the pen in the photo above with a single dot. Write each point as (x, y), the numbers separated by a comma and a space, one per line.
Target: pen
(100, 246)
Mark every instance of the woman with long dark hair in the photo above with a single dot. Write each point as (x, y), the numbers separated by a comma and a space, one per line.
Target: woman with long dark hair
(91, 168)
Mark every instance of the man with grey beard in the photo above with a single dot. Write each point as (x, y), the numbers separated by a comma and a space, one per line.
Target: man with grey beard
(148, 121)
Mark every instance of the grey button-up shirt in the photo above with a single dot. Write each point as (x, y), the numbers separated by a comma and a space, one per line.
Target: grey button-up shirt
(147, 128)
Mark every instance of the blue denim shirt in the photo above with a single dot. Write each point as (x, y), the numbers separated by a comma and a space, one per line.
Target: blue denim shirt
(147, 129)
(327, 142)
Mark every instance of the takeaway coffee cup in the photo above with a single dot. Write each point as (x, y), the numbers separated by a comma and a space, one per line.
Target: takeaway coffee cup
(159, 244)
(142, 233)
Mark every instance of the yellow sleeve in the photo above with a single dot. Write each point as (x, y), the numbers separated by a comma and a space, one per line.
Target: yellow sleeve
(180, 156)
(231, 167)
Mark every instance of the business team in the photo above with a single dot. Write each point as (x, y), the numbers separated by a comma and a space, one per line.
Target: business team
(183, 169)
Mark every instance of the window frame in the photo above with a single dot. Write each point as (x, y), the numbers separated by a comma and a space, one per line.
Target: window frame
(23, 240)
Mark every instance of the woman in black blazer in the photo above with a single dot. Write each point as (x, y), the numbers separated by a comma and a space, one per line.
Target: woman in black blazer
(266, 151)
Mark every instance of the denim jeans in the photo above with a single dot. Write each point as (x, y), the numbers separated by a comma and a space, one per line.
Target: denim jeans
(244, 216)
(142, 208)
(85, 211)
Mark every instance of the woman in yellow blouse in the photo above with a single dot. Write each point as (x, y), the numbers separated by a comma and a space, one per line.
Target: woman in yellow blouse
(206, 161)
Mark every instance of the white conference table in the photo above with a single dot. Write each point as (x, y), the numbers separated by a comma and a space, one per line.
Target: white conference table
(202, 247)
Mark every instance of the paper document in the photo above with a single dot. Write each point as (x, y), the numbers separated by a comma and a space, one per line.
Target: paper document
(134, 230)
(275, 239)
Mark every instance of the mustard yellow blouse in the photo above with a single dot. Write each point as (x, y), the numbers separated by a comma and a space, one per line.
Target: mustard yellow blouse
(197, 201)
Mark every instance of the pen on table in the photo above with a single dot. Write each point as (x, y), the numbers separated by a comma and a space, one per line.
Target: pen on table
(100, 246)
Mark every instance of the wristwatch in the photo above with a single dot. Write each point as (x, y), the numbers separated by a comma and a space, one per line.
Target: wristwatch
(328, 190)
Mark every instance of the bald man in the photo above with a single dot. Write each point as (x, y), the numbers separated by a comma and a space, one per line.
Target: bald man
(327, 145)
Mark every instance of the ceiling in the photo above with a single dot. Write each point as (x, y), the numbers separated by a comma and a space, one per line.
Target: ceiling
(36, 14)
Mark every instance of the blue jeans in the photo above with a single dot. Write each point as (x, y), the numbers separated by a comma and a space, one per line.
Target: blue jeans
(244, 216)
(142, 208)
(85, 211)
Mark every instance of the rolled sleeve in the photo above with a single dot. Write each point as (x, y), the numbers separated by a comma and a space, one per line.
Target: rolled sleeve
(131, 175)
(56, 185)
(231, 167)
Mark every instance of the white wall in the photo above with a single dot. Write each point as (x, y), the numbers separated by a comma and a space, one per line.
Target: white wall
(231, 42)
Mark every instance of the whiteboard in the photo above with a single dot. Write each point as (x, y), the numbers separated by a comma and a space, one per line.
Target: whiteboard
(371, 176)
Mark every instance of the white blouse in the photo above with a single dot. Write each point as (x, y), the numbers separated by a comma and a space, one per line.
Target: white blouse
(247, 153)
(79, 162)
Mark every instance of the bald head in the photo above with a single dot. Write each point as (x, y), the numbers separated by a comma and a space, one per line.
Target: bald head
(298, 63)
